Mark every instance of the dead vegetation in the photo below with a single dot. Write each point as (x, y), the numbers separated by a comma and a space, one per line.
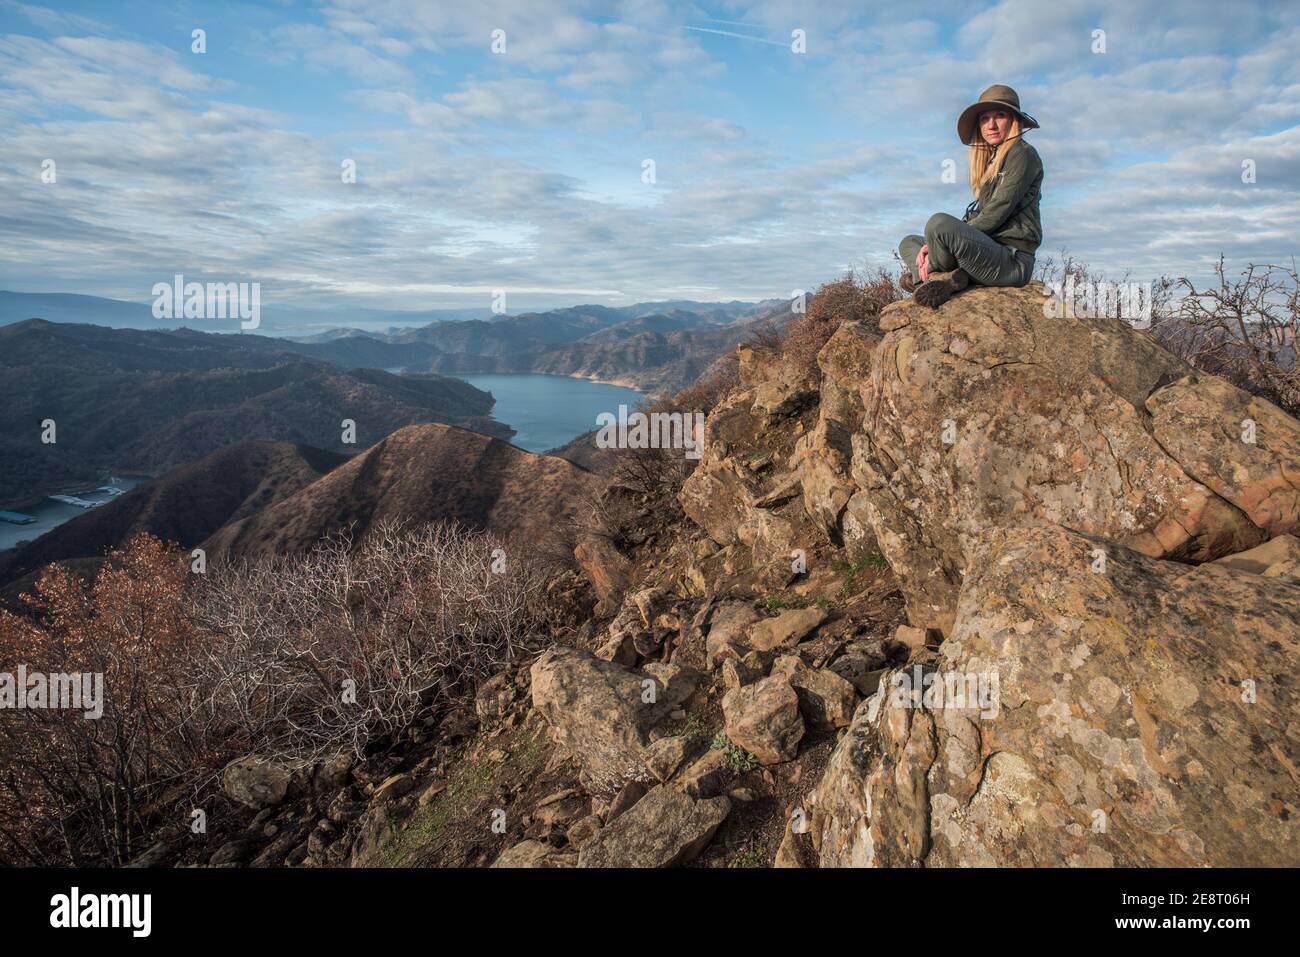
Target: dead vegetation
(1242, 328)
(290, 659)
(320, 654)
(855, 297)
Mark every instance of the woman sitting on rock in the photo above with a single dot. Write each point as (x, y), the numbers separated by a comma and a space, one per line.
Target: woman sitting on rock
(994, 243)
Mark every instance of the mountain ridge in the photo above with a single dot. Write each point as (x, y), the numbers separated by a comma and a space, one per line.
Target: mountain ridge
(419, 473)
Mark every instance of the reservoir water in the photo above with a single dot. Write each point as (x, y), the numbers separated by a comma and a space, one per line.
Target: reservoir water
(550, 410)
(49, 513)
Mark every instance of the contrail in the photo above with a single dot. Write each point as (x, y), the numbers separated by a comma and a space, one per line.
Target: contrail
(734, 23)
(739, 36)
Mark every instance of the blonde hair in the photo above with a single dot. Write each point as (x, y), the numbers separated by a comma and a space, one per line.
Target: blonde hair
(985, 161)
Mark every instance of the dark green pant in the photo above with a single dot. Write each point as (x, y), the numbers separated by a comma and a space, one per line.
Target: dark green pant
(955, 244)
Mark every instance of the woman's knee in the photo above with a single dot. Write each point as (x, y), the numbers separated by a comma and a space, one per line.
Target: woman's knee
(940, 224)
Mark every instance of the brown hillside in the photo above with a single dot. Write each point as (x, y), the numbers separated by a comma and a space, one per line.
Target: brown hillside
(420, 473)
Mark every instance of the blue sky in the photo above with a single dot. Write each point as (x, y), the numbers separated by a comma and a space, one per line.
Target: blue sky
(522, 170)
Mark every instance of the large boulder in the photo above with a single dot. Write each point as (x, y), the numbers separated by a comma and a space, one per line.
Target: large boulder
(601, 711)
(871, 807)
(826, 699)
(1143, 715)
(780, 382)
(992, 411)
(665, 828)
(1244, 448)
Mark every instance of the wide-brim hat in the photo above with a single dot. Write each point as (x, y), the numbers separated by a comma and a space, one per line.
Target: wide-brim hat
(996, 96)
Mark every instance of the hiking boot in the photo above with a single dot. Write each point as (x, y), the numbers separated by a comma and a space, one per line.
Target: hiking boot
(906, 282)
(940, 287)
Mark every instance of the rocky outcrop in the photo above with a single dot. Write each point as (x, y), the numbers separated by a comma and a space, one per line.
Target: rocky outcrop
(991, 412)
(1143, 716)
(746, 491)
(1096, 544)
(826, 453)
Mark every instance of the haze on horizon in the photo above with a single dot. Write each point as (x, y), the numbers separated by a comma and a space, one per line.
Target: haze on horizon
(524, 170)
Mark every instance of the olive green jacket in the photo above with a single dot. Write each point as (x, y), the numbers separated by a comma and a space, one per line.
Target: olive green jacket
(1007, 209)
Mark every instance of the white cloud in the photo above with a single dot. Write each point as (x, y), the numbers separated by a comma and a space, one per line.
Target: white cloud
(522, 171)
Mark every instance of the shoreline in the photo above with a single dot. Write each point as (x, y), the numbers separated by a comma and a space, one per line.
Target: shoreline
(620, 383)
(70, 488)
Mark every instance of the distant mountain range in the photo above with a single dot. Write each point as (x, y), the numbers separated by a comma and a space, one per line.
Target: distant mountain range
(124, 314)
(137, 401)
(149, 400)
(306, 323)
(655, 347)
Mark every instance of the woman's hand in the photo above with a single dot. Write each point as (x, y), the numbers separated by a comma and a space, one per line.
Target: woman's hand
(923, 263)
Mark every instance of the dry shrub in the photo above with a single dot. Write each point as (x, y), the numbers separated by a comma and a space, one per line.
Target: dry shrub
(765, 337)
(852, 298)
(616, 517)
(324, 653)
(1048, 269)
(656, 475)
(1244, 329)
(85, 791)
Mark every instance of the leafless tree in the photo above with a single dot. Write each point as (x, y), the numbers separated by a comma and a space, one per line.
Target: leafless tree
(1241, 328)
(322, 653)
